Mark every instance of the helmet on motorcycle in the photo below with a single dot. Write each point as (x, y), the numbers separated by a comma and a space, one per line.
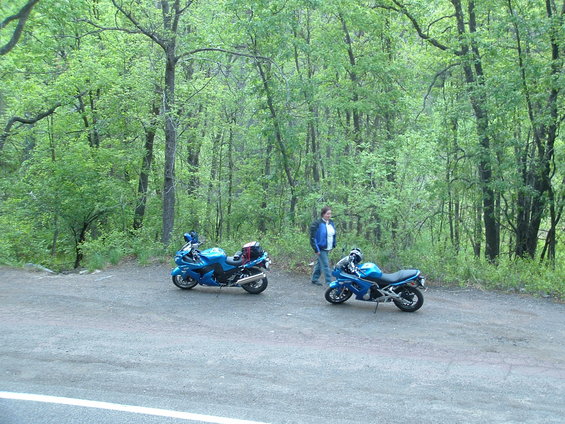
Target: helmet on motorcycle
(356, 255)
(191, 237)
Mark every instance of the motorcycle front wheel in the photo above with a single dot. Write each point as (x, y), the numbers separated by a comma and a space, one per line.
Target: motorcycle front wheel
(338, 294)
(185, 284)
(412, 299)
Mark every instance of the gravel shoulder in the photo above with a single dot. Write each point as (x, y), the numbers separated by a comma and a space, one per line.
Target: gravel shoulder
(285, 356)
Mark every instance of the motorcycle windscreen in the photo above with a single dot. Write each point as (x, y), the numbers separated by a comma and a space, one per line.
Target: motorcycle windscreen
(370, 270)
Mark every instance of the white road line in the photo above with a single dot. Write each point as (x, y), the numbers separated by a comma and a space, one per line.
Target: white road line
(124, 408)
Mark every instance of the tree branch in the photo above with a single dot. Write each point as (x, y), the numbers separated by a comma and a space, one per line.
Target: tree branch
(256, 57)
(141, 29)
(400, 8)
(28, 121)
(188, 4)
(436, 76)
(217, 49)
(103, 28)
(437, 20)
(21, 17)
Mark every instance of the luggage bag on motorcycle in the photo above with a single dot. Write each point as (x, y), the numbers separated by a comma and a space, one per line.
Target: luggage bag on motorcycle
(251, 251)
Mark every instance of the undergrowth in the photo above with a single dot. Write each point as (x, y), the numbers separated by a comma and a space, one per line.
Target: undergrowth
(292, 252)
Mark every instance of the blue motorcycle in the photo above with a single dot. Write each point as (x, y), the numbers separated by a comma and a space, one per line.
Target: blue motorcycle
(367, 282)
(212, 267)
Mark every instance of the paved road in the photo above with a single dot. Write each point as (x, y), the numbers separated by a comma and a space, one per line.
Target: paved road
(127, 336)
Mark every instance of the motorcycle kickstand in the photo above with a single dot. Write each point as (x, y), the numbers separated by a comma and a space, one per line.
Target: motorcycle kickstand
(375, 311)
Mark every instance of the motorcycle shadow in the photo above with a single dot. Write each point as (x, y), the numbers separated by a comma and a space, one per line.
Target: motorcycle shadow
(219, 291)
(378, 309)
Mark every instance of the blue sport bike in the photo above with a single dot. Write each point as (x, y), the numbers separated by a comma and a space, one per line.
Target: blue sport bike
(212, 267)
(367, 282)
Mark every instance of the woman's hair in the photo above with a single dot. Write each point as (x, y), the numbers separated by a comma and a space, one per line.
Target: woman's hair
(324, 210)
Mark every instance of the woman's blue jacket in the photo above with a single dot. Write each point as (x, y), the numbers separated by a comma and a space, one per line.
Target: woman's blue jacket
(319, 235)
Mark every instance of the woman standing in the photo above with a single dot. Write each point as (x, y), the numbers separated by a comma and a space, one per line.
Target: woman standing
(322, 240)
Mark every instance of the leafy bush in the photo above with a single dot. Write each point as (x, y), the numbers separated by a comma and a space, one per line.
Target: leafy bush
(292, 251)
(115, 247)
(519, 275)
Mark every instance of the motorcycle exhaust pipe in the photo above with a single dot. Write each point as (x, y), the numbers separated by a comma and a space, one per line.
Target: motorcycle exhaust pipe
(251, 278)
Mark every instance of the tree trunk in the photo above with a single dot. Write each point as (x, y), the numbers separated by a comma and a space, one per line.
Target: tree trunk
(474, 77)
(555, 214)
(193, 158)
(355, 83)
(143, 184)
(170, 147)
(262, 223)
(280, 142)
(544, 120)
(230, 177)
(90, 125)
(167, 40)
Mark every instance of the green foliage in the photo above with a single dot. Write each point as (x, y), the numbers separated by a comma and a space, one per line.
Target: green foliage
(116, 247)
(282, 107)
(443, 268)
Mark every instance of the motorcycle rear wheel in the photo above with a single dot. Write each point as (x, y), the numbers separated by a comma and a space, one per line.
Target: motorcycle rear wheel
(256, 287)
(184, 284)
(338, 294)
(412, 299)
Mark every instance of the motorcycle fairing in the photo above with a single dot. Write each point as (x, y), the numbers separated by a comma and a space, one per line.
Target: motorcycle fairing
(216, 271)
(357, 285)
(185, 272)
(256, 262)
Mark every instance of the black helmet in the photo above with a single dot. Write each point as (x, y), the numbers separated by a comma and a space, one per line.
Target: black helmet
(356, 255)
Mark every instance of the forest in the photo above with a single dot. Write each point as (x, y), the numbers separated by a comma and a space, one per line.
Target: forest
(431, 128)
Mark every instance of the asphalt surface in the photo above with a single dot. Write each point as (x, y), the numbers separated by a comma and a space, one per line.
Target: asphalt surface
(128, 336)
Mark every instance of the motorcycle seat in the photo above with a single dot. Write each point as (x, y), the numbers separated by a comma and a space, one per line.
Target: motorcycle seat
(397, 277)
(234, 260)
